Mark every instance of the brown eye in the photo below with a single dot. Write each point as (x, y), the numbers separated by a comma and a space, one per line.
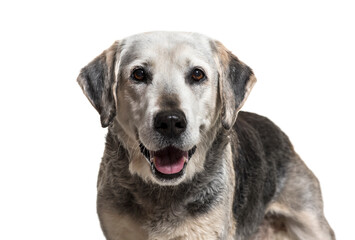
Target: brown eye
(197, 75)
(138, 75)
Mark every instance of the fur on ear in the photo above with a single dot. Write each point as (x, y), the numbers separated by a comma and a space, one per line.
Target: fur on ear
(235, 83)
(96, 80)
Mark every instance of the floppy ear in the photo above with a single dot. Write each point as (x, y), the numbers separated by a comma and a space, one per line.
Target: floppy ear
(96, 80)
(235, 83)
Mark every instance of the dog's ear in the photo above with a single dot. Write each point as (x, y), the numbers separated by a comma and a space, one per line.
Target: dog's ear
(96, 80)
(235, 83)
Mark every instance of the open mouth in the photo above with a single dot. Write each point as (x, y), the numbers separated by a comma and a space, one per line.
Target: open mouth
(167, 163)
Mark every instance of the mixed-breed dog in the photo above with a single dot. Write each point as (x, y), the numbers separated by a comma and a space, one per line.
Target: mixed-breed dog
(181, 160)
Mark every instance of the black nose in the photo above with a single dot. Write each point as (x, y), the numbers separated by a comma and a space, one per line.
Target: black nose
(170, 123)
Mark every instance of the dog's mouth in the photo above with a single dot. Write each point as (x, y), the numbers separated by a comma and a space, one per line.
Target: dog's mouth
(167, 163)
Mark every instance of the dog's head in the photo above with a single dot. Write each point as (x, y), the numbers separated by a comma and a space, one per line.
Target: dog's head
(165, 95)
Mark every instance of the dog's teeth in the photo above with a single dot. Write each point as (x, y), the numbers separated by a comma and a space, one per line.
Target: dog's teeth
(151, 153)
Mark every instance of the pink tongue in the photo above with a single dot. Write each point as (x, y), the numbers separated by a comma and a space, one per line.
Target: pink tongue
(169, 160)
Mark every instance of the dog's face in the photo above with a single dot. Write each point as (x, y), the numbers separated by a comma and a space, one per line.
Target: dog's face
(165, 95)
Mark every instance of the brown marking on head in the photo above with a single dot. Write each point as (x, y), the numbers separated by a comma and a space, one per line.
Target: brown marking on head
(169, 102)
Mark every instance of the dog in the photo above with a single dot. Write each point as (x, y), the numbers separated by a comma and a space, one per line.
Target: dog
(181, 160)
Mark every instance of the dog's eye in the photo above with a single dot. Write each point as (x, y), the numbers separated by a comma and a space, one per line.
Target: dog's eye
(139, 75)
(198, 75)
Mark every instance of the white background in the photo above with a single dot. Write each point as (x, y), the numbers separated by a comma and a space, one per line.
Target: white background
(302, 53)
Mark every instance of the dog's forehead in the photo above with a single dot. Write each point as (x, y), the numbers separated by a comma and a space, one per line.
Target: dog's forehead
(166, 46)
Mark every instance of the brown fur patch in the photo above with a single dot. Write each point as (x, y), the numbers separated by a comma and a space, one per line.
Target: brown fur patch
(299, 205)
(169, 102)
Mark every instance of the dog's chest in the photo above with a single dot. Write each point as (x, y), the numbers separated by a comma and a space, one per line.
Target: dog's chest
(211, 225)
(117, 226)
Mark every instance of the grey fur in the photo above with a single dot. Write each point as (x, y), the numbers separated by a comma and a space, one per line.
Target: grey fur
(245, 180)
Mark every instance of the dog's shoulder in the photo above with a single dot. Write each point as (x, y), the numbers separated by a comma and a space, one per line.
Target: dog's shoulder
(261, 152)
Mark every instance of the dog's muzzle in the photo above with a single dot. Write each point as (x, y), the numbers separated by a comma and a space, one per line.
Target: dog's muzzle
(168, 162)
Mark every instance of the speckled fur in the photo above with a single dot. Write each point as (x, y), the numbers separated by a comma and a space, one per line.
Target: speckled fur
(245, 181)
